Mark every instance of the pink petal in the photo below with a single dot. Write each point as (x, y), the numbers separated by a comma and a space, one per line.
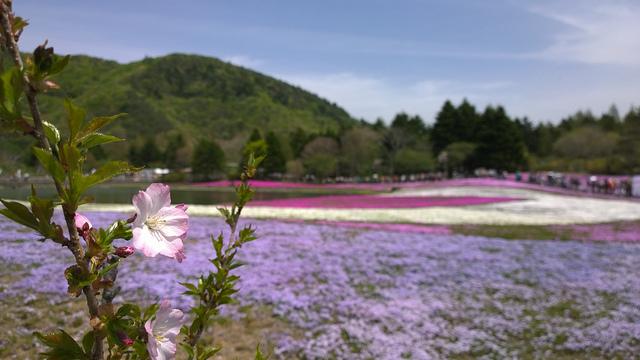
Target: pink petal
(142, 203)
(182, 207)
(160, 196)
(179, 256)
(152, 344)
(144, 240)
(176, 222)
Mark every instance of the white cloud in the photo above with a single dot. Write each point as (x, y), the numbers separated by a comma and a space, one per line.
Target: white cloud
(600, 31)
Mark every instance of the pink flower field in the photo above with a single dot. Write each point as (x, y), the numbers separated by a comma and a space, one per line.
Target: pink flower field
(376, 201)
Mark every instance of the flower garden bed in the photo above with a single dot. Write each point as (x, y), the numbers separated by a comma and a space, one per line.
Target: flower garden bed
(410, 283)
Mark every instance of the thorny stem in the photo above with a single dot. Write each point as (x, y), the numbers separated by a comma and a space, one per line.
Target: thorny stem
(38, 133)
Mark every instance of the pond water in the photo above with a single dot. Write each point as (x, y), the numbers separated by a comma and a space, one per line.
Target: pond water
(190, 195)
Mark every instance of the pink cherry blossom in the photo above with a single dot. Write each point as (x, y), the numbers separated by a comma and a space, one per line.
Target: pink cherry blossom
(159, 228)
(162, 332)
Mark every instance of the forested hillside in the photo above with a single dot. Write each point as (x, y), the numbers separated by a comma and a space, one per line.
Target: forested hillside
(183, 97)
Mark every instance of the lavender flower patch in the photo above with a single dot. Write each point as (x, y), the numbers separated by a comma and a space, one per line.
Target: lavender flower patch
(366, 293)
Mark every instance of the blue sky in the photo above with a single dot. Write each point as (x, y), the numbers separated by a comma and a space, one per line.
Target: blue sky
(544, 59)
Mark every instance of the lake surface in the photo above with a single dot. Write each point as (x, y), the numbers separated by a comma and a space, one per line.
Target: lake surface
(196, 195)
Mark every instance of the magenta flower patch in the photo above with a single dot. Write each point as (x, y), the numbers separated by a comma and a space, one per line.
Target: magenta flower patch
(374, 201)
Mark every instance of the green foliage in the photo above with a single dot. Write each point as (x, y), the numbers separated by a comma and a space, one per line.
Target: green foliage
(321, 164)
(500, 144)
(275, 162)
(217, 287)
(458, 154)
(208, 160)
(410, 161)
(199, 96)
(413, 127)
(61, 346)
(297, 140)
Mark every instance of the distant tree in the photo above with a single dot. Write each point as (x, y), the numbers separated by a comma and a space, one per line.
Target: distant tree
(320, 156)
(391, 142)
(453, 124)
(528, 134)
(500, 144)
(379, 125)
(358, 147)
(444, 130)
(467, 122)
(170, 155)
(458, 155)
(208, 161)
(321, 165)
(255, 135)
(297, 140)
(587, 142)
(610, 121)
(413, 127)
(410, 161)
(275, 162)
(148, 155)
(628, 145)
(546, 135)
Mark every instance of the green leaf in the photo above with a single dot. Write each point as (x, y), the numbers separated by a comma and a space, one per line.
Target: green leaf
(93, 126)
(77, 278)
(245, 234)
(106, 172)
(148, 312)
(20, 214)
(189, 349)
(41, 208)
(190, 286)
(124, 310)
(10, 92)
(225, 212)
(52, 133)
(259, 355)
(104, 271)
(75, 119)
(63, 346)
(205, 353)
(53, 166)
(59, 65)
(70, 156)
(87, 341)
(97, 139)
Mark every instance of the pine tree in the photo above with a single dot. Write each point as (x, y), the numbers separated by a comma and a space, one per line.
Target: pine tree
(275, 162)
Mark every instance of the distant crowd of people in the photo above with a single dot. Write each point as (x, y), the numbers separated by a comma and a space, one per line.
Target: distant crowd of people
(596, 184)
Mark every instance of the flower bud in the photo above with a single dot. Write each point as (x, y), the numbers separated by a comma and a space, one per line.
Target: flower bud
(122, 336)
(132, 219)
(83, 225)
(99, 326)
(124, 251)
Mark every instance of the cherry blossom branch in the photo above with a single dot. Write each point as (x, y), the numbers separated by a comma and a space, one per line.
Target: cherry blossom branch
(38, 133)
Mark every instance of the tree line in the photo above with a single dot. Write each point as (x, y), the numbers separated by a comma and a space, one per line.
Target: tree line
(460, 140)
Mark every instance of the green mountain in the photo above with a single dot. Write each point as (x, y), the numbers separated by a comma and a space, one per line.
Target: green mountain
(197, 95)
(192, 96)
